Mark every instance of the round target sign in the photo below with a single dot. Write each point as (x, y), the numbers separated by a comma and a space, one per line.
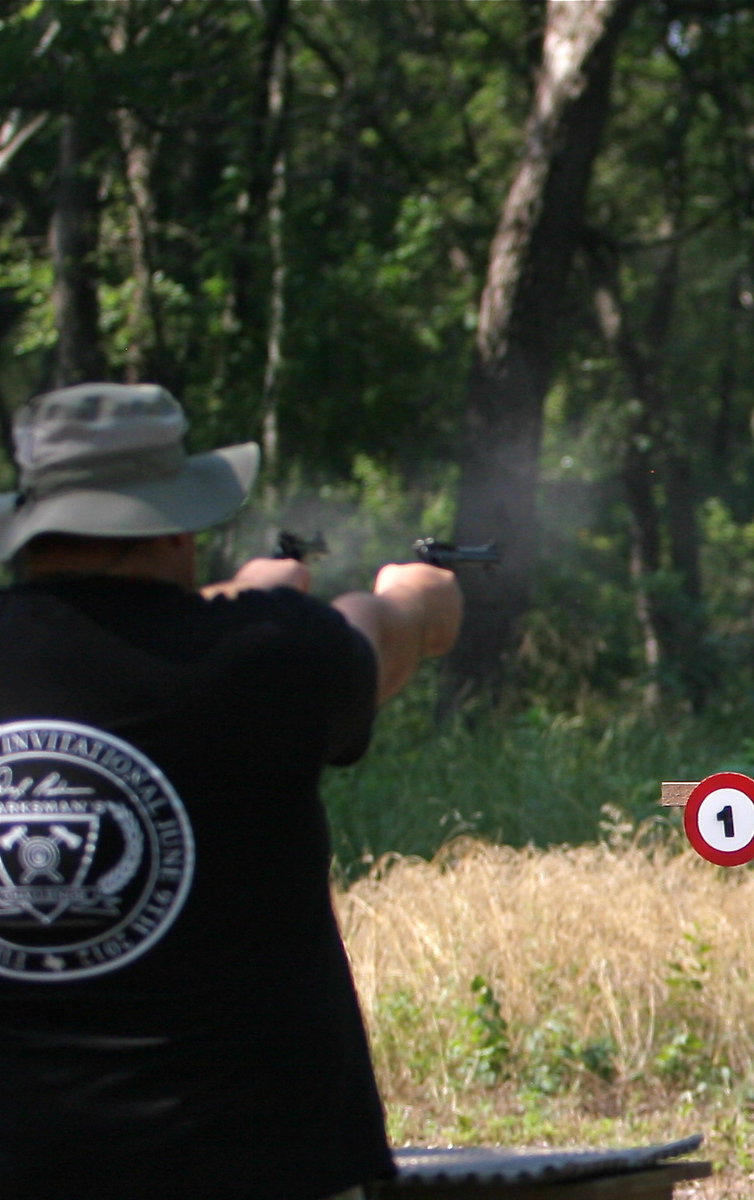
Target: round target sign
(719, 818)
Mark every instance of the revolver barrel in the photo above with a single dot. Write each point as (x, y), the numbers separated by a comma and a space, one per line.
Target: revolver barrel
(446, 554)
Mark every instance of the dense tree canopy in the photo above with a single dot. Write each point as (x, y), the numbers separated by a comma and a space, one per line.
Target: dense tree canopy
(300, 214)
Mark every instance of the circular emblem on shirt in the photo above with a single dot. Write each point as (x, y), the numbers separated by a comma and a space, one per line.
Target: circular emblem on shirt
(96, 852)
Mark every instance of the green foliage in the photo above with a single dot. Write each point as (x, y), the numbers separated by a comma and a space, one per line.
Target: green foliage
(473, 1046)
(728, 563)
(554, 1057)
(488, 1047)
(405, 1041)
(686, 1058)
(532, 778)
(399, 128)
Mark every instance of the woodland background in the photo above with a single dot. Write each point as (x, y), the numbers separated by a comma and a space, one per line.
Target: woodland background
(473, 268)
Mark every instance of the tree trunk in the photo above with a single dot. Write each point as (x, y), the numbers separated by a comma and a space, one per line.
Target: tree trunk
(145, 355)
(267, 124)
(276, 226)
(693, 660)
(73, 243)
(529, 262)
(660, 495)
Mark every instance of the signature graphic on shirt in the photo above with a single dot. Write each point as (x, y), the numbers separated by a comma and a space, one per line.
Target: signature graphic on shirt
(96, 851)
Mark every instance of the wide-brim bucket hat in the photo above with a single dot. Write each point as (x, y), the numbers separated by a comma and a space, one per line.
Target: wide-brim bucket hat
(108, 460)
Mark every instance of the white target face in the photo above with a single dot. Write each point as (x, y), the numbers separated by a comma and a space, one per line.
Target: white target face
(726, 819)
(719, 818)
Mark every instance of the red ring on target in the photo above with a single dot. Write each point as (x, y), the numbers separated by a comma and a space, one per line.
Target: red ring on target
(721, 782)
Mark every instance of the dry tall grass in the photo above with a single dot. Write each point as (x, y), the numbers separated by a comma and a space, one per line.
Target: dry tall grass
(614, 996)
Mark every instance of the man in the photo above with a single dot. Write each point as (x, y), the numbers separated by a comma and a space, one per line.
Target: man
(177, 1016)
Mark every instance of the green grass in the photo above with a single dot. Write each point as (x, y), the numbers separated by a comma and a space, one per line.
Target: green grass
(532, 778)
(595, 996)
(476, 1041)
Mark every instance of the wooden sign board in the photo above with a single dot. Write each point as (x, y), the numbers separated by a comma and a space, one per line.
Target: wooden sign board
(676, 794)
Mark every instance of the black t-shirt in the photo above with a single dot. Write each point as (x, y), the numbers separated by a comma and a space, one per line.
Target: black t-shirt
(177, 1017)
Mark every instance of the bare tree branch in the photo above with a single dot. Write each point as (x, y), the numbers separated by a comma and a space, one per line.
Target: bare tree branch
(14, 134)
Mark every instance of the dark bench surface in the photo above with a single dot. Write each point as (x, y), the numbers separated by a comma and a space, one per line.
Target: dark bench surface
(638, 1173)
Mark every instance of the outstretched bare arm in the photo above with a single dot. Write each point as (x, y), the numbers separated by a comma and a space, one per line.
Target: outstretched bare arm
(413, 612)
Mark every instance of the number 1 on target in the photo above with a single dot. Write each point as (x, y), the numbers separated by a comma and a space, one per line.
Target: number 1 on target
(726, 816)
(719, 818)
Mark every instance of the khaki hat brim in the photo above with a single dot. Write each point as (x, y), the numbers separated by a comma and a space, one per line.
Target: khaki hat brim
(209, 489)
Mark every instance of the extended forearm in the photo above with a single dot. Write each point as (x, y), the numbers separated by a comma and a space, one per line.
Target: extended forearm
(413, 613)
(395, 633)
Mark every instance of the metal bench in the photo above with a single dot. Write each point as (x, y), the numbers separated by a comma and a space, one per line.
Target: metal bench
(640, 1173)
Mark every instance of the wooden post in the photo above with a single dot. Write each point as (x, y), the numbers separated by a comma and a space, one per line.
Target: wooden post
(676, 794)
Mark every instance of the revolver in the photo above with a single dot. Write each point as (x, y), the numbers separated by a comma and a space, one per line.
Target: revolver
(290, 545)
(448, 555)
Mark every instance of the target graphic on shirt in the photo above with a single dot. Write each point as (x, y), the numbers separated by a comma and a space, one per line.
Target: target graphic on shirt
(96, 852)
